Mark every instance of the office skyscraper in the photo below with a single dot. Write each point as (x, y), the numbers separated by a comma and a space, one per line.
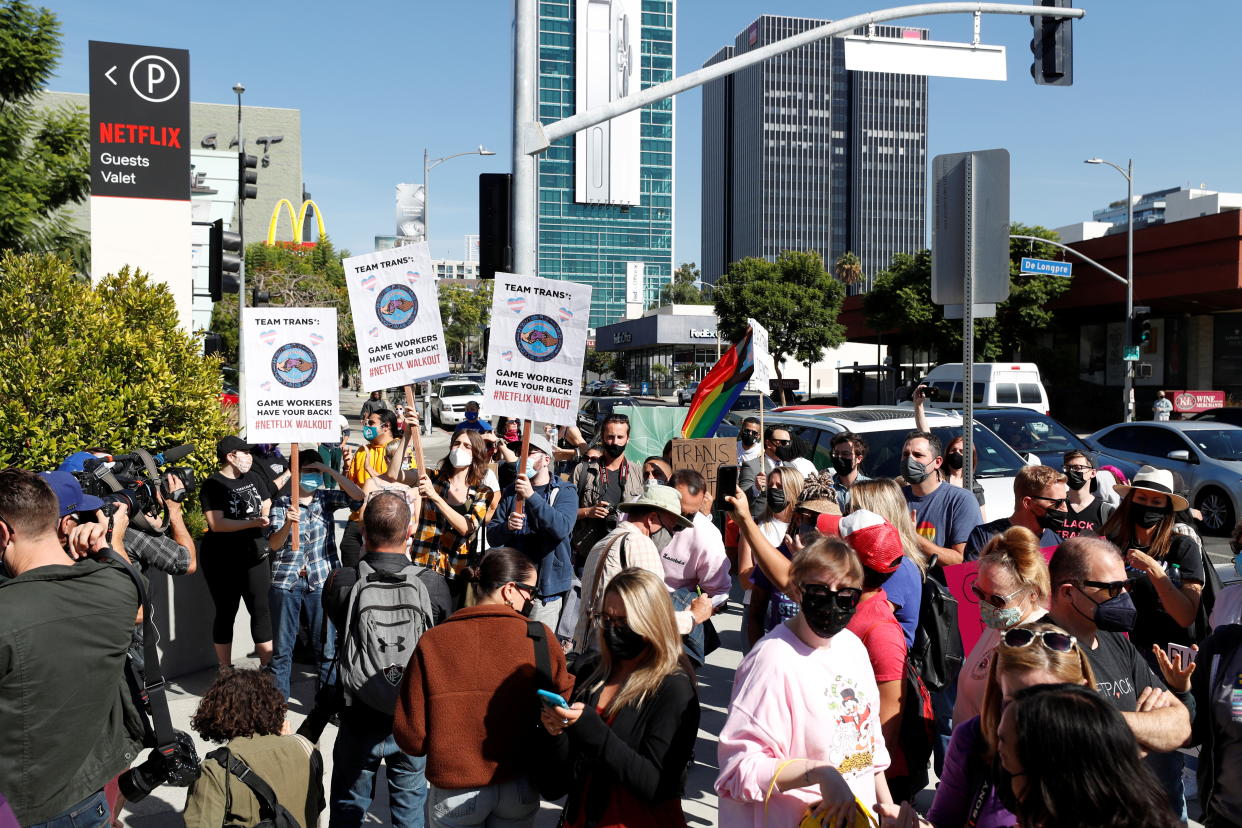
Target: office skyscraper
(592, 243)
(801, 154)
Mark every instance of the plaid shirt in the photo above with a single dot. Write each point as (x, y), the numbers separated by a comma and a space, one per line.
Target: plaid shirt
(317, 549)
(159, 551)
(436, 544)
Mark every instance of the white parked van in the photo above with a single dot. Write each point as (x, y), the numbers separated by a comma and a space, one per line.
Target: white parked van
(996, 383)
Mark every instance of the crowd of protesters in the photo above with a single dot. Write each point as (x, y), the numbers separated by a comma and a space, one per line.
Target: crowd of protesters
(524, 618)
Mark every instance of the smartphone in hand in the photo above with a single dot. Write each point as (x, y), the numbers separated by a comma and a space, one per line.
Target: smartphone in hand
(551, 699)
(726, 486)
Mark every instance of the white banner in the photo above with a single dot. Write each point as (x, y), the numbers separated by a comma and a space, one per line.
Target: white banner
(396, 308)
(292, 386)
(763, 359)
(534, 358)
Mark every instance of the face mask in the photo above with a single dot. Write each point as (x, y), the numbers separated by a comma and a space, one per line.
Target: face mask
(461, 457)
(511, 435)
(623, 643)
(614, 450)
(777, 500)
(242, 462)
(310, 482)
(999, 619)
(472, 415)
(1115, 614)
(1075, 479)
(748, 439)
(824, 616)
(842, 466)
(532, 467)
(786, 453)
(370, 432)
(955, 460)
(913, 471)
(1147, 517)
(1053, 519)
(662, 537)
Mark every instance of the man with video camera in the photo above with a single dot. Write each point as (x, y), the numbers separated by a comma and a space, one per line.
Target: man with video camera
(69, 722)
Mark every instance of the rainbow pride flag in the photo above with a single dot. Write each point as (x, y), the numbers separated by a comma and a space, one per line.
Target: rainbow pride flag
(720, 389)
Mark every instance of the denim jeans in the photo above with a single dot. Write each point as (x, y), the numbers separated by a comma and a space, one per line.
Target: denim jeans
(942, 706)
(692, 641)
(287, 607)
(512, 804)
(91, 812)
(363, 741)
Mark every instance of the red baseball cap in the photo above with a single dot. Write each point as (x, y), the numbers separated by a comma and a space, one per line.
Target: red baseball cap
(828, 524)
(877, 542)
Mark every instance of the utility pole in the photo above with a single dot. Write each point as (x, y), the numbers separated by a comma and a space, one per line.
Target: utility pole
(241, 270)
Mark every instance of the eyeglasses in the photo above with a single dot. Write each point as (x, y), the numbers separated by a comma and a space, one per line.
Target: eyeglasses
(1079, 468)
(845, 597)
(998, 601)
(1058, 642)
(608, 622)
(531, 590)
(1056, 502)
(843, 456)
(1113, 588)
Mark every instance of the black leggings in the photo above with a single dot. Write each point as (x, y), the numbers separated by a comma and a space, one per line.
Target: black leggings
(230, 581)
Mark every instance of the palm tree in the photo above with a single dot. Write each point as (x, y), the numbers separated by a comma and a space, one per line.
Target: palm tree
(848, 268)
(659, 371)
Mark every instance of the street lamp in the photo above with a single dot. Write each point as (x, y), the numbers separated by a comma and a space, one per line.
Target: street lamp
(429, 165)
(1128, 172)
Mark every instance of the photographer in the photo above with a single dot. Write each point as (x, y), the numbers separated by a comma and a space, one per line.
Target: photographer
(69, 721)
(602, 483)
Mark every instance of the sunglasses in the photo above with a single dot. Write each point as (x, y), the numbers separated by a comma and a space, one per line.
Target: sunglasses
(1113, 588)
(998, 601)
(845, 597)
(531, 590)
(751, 432)
(1055, 502)
(608, 622)
(1057, 642)
(780, 442)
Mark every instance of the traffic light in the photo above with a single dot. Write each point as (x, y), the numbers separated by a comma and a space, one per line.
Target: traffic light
(225, 261)
(1141, 330)
(247, 176)
(495, 225)
(1052, 47)
(259, 298)
(213, 343)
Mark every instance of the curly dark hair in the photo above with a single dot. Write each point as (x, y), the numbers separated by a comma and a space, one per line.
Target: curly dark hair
(240, 703)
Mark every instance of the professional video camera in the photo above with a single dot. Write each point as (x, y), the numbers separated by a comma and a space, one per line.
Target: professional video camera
(133, 479)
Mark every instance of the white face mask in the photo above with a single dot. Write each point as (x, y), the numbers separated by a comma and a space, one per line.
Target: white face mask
(461, 457)
(242, 462)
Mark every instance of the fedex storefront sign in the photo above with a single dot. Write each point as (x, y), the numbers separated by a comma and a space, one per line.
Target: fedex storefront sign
(1192, 402)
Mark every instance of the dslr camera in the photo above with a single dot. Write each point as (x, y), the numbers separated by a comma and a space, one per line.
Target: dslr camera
(175, 764)
(134, 478)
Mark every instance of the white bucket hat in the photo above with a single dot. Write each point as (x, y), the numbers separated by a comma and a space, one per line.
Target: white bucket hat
(1159, 481)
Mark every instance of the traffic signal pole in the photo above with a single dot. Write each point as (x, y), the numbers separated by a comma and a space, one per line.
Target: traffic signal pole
(241, 270)
(531, 138)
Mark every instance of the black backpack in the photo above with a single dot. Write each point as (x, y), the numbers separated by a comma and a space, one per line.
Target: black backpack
(271, 813)
(937, 653)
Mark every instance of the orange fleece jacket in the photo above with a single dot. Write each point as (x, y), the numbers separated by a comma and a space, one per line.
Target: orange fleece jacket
(468, 698)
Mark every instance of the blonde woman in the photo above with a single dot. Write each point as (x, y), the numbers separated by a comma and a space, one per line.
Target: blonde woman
(627, 739)
(779, 499)
(905, 588)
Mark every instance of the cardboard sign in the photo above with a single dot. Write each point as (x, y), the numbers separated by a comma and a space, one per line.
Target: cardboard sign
(396, 309)
(705, 455)
(763, 360)
(291, 377)
(534, 357)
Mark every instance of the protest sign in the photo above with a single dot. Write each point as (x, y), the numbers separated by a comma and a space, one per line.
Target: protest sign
(291, 377)
(705, 455)
(396, 310)
(763, 360)
(534, 358)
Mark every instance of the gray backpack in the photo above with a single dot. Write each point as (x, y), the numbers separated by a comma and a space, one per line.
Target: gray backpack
(388, 613)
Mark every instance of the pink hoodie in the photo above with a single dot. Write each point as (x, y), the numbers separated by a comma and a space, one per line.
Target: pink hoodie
(791, 701)
(696, 557)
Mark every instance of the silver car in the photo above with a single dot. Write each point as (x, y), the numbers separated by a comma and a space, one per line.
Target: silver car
(1205, 456)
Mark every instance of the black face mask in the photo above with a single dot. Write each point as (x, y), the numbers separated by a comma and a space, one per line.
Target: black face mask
(748, 438)
(1147, 517)
(614, 450)
(1004, 789)
(622, 642)
(955, 461)
(777, 500)
(1075, 479)
(824, 613)
(786, 453)
(1053, 519)
(842, 466)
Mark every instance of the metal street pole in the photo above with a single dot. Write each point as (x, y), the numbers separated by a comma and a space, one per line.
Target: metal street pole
(530, 137)
(241, 268)
(1128, 334)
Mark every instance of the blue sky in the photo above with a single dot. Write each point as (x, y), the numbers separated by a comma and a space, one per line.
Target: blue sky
(377, 81)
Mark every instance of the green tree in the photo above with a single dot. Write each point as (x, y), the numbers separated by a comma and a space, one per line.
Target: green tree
(659, 373)
(683, 290)
(794, 298)
(599, 362)
(44, 154)
(848, 268)
(900, 301)
(294, 277)
(465, 313)
(106, 365)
